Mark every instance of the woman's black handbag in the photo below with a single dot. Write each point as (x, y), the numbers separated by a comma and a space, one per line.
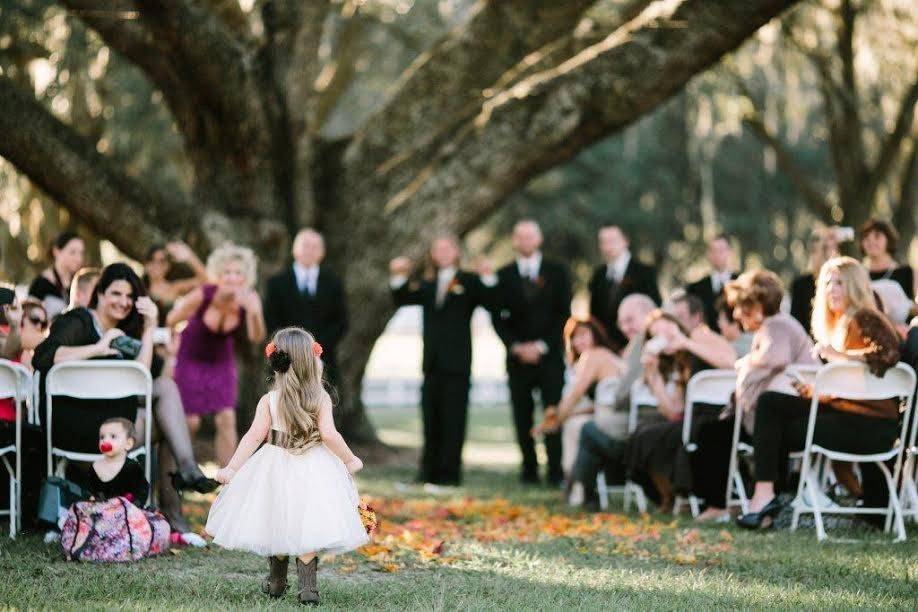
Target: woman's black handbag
(57, 495)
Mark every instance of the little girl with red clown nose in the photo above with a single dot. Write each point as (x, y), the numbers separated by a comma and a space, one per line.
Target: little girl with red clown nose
(295, 497)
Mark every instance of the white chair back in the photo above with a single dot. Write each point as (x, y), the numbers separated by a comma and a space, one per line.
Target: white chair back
(852, 380)
(98, 379)
(706, 387)
(15, 384)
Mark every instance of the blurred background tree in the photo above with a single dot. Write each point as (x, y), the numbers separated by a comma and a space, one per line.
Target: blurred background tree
(382, 133)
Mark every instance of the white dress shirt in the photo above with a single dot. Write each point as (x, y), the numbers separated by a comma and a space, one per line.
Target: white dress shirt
(529, 267)
(444, 278)
(307, 278)
(719, 280)
(615, 270)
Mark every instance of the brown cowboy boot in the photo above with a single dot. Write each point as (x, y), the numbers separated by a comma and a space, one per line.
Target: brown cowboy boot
(276, 582)
(306, 573)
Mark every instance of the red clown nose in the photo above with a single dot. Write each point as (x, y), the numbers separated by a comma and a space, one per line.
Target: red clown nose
(105, 447)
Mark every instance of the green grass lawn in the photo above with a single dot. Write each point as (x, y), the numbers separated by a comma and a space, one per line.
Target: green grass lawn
(496, 545)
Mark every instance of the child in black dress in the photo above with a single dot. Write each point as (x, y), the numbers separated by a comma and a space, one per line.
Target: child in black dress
(116, 475)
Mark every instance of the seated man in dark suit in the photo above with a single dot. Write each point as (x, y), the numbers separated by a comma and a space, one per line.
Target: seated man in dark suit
(711, 287)
(535, 303)
(310, 295)
(448, 297)
(620, 276)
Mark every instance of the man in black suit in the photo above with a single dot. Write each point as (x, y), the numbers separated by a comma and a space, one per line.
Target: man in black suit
(620, 276)
(310, 295)
(448, 297)
(535, 303)
(709, 288)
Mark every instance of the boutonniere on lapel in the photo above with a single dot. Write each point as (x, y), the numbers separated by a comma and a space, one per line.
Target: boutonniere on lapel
(540, 281)
(455, 287)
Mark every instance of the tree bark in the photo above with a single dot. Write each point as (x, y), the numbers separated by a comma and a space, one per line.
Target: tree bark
(452, 143)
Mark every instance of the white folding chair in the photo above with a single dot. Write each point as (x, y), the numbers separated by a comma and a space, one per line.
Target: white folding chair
(99, 380)
(15, 384)
(707, 387)
(736, 489)
(639, 396)
(852, 380)
(908, 494)
(34, 398)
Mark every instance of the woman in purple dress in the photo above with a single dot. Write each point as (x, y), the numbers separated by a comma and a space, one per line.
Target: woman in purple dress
(205, 369)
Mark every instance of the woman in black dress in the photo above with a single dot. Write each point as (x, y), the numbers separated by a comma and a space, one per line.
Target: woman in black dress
(52, 286)
(879, 241)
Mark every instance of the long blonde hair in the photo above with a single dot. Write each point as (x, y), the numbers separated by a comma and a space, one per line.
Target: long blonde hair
(299, 386)
(856, 282)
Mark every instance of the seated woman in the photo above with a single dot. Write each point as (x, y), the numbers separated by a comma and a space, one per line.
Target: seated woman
(26, 326)
(593, 374)
(655, 451)
(778, 341)
(119, 307)
(847, 326)
(731, 330)
(52, 286)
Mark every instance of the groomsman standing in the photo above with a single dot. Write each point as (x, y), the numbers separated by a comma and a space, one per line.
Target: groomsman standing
(310, 295)
(617, 278)
(535, 302)
(448, 297)
(709, 288)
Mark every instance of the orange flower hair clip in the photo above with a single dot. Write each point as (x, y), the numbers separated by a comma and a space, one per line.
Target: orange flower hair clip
(316, 349)
(270, 350)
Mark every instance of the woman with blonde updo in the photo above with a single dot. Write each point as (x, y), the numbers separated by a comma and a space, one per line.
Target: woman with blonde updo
(205, 369)
(295, 496)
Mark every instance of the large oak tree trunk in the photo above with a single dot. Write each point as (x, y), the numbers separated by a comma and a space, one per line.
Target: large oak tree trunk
(513, 92)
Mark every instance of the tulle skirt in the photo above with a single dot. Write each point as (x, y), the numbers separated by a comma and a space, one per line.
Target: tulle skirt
(280, 503)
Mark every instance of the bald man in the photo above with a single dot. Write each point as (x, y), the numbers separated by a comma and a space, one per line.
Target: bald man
(310, 295)
(534, 303)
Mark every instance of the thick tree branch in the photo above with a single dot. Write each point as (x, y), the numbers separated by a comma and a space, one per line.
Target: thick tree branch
(448, 79)
(339, 72)
(904, 219)
(118, 23)
(804, 186)
(89, 185)
(548, 118)
(891, 146)
(210, 56)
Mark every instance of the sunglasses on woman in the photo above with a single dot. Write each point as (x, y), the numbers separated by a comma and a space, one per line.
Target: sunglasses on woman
(38, 321)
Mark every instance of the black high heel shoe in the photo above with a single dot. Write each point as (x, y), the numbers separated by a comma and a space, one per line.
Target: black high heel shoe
(194, 481)
(755, 520)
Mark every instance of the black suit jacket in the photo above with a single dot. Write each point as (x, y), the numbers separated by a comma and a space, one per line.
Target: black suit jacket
(447, 328)
(703, 289)
(606, 298)
(323, 315)
(533, 311)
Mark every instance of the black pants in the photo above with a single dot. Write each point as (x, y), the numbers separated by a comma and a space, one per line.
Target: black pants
(596, 452)
(444, 410)
(780, 429)
(548, 377)
(711, 461)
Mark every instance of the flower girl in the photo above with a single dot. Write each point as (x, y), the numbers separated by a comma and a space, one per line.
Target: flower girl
(295, 496)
